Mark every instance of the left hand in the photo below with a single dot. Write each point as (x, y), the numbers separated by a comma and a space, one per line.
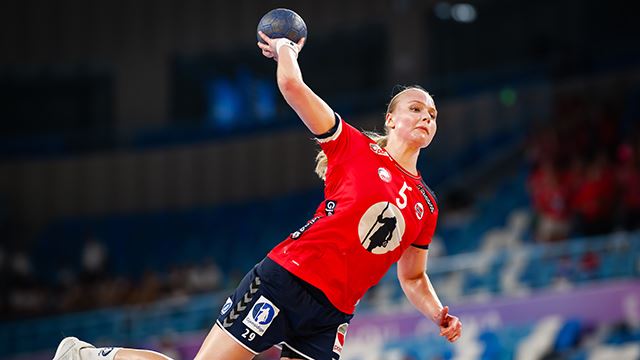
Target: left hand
(450, 326)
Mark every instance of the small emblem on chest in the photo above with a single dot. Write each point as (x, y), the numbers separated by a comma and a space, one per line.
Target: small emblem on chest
(377, 149)
(384, 174)
(419, 211)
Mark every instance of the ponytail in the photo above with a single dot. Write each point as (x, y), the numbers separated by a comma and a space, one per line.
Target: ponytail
(321, 158)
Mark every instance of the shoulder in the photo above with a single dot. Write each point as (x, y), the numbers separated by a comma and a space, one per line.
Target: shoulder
(341, 129)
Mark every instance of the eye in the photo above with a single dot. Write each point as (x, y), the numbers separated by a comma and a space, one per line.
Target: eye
(414, 109)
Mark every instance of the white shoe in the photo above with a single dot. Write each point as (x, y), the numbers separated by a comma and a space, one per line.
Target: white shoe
(69, 349)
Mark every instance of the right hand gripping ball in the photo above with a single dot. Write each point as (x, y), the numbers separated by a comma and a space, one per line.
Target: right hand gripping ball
(282, 23)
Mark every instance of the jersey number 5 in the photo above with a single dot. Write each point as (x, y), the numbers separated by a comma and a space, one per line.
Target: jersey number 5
(402, 200)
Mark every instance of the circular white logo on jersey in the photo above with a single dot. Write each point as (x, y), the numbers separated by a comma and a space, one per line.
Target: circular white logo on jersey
(381, 228)
(419, 210)
(384, 174)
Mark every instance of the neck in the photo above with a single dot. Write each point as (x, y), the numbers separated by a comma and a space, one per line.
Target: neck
(404, 155)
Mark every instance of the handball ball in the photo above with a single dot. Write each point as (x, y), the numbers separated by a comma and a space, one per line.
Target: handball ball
(282, 23)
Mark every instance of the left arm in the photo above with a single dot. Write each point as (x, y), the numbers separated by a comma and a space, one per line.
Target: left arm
(418, 289)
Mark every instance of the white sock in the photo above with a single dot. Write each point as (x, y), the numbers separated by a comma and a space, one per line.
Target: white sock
(105, 353)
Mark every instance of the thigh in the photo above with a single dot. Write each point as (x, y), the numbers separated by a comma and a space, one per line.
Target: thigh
(220, 346)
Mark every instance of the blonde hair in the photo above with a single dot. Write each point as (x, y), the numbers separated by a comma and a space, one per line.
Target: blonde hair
(321, 158)
(380, 139)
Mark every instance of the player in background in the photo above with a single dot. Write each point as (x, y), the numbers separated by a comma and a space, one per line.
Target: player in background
(377, 211)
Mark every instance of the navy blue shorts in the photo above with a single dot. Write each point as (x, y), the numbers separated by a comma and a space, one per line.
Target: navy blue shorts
(271, 306)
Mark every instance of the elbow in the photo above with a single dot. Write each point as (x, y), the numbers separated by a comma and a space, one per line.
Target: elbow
(411, 280)
(289, 85)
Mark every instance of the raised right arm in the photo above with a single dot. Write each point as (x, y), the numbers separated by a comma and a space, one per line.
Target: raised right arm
(314, 112)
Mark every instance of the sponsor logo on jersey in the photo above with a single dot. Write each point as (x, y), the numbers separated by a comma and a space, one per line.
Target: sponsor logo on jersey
(378, 150)
(381, 228)
(261, 316)
(330, 207)
(423, 191)
(384, 174)
(341, 334)
(299, 232)
(226, 306)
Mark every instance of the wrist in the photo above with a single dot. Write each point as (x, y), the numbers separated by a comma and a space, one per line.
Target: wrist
(282, 43)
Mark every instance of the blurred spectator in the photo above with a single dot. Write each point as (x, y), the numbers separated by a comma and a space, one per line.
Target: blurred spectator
(25, 296)
(2, 259)
(113, 291)
(94, 259)
(75, 298)
(589, 264)
(22, 269)
(574, 187)
(550, 196)
(148, 291)
(65, 276)
(176, 282)
(4, 282)
(203, 278)
(593, 201)
(628, 177)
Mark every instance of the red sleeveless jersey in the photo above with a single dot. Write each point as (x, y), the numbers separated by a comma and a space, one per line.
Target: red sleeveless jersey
(373, 210)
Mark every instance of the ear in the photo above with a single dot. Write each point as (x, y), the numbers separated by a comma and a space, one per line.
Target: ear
(388, 121)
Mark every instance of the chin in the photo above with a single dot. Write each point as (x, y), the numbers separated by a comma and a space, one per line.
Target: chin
(426, 145)
(423, 142)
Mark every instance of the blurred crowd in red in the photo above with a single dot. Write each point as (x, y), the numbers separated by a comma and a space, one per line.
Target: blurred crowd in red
(585, 177)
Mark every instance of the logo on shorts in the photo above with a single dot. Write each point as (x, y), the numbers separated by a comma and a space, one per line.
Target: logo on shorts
(384, 174)
(261, 316)
(227, 306)
(341, 334)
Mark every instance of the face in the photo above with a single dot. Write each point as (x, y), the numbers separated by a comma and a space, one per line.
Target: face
(413, 118)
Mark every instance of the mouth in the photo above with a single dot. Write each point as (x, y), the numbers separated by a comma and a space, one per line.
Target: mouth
(423, 129)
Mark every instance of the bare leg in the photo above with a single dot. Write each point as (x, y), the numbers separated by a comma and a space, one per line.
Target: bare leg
(221, 346)
(72, 348)
(137, 354)
(217, 346)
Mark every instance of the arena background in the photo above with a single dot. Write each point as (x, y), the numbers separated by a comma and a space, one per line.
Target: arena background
(147, 161)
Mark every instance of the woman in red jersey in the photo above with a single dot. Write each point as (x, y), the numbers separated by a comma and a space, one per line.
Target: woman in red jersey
(377, 211)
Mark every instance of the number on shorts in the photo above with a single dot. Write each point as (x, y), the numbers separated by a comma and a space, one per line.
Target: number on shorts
(249, 335)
